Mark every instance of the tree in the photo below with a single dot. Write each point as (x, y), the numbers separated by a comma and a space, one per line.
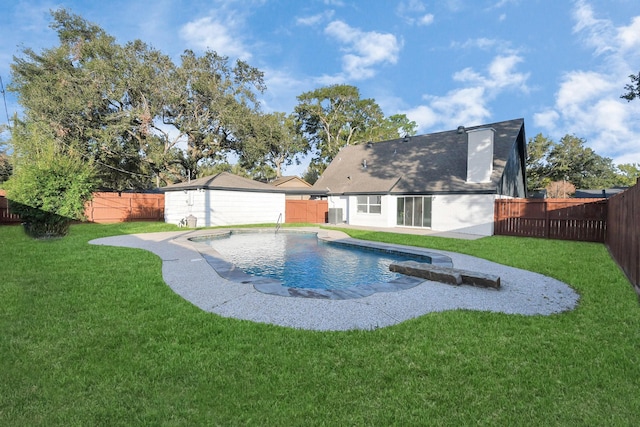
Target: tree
(333, 117)
(50, 184)
(271, 140)
(570, 160)
(560, 189)
(633, 88)
(311, 175)
(208, 102)
(538, 170)
(567, 160)
(130, 107)
(627, 174)
(6, 169)
(93, 94)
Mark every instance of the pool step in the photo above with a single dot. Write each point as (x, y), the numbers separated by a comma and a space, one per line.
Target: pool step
(448, 275)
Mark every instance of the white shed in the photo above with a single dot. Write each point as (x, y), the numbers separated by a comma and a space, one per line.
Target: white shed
(223, 199)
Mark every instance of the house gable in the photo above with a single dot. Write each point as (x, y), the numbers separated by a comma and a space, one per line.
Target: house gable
(290, 182)
(427, 164)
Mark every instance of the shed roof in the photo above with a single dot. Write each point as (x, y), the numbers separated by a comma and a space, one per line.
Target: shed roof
(224, 181)
(424, 164)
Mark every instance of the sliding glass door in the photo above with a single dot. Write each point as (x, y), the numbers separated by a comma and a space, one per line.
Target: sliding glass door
(414, 211)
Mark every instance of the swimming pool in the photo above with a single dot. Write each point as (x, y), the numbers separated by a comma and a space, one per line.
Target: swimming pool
(299, 264)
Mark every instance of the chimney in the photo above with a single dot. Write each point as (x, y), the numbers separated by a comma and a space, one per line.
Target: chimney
(479, 155)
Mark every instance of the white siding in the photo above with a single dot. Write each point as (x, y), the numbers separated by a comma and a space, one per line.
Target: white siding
(387, 218)
(180, 204)
(220, 207)
(471, 214)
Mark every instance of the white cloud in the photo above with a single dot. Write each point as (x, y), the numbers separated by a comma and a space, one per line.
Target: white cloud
(465, 106)
(483, 43)
(582, 87)
(468, 105)
(284, 87)
(363, 50)
(547, 119)
(209, 33)
(315, 19)
(426, 19)
(411, 6)
(596, 32)
(413, 12)
(629, 36)
(587, 102)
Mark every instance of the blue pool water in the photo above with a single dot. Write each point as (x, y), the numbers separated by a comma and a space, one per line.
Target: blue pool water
(300, 260)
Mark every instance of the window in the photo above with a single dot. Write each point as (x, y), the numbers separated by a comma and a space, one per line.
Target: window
(370, 204)
(414, 211)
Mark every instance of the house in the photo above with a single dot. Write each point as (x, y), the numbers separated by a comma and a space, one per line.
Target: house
(605, 193)
(295, 188)
(223, 199)
(446, 181)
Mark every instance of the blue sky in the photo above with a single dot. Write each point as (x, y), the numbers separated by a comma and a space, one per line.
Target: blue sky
(562, 65)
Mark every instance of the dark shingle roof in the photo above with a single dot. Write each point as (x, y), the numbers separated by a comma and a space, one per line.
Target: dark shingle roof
(426, 164)
(598, 194)
(224, 181)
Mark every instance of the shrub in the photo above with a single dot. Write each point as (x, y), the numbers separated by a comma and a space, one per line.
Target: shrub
(49, 195)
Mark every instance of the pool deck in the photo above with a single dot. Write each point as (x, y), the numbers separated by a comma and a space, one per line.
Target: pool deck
(187, 270)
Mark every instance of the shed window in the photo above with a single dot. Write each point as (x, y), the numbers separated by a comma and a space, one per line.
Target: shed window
(370, 204)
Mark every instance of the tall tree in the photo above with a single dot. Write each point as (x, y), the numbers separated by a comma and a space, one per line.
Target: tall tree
(271, 140)
(130, 108)
(627, 174)
(93, 93)
(332, 117)
(568, 160)
(633, 88)
(208, 101)
(538, 170)
(392, 127)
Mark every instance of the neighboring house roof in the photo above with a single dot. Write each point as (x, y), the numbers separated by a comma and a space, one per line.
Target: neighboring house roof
(290, 182)
(223, 181)
(424, 164)
(598, 194)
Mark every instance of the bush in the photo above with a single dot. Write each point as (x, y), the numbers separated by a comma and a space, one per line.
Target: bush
(49, 195)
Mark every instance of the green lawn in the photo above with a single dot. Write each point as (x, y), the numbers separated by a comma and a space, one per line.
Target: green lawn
(91, 335)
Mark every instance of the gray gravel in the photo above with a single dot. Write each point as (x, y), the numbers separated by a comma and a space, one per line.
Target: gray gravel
(186, 271)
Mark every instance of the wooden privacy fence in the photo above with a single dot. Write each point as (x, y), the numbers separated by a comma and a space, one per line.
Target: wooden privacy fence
(6, 217)
(121, 207)
(314, 211)
(108, 207)
(623, 233)
(566, 219)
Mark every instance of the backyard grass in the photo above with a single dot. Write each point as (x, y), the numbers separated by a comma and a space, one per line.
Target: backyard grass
(91, 335)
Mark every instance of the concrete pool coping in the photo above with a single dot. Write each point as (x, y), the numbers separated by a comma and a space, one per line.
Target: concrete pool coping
(186, 271)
